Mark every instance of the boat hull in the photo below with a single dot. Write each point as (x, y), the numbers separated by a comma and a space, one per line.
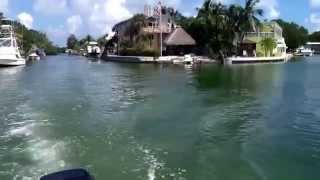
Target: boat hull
(12, 62)
(256, 60)
(34, 58)
(93, 55)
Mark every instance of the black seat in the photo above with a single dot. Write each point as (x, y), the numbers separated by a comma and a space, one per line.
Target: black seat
(74, 174)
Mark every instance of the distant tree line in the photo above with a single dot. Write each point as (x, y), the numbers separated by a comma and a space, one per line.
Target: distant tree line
(29, 38)
(74, 43)
(294, 34)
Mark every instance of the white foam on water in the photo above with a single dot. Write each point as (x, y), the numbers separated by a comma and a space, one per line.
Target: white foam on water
(44, 153)
(152, 172)
(152, 162)
(24, 130)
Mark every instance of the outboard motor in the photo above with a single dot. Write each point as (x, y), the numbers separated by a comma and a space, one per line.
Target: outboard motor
(74, 174)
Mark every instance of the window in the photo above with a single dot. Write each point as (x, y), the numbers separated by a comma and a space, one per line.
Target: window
(5, 43)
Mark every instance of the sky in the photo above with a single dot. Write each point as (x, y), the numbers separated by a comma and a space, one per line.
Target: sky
(59, 18)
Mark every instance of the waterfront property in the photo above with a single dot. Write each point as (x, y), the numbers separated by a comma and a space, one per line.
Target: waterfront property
(158, 31)
(265, 45)
(252, 46)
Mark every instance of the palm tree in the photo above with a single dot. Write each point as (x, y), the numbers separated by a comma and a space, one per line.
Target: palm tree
(212, 16)
(250, 14)
(88, 38)
(135, 27)
(242, 19)
(268, 44)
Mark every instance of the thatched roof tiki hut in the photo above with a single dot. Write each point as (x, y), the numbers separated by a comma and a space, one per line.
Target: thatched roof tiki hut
(179, 42)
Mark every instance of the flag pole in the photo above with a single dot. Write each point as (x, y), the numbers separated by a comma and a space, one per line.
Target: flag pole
(160, 24)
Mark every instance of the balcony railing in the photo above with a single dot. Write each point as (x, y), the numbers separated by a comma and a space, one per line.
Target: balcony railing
(156, 29)
(260, 35)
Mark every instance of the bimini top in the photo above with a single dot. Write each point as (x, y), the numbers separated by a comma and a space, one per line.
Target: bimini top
(179, 37)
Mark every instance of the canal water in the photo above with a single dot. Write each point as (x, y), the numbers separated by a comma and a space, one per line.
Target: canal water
(152, 122)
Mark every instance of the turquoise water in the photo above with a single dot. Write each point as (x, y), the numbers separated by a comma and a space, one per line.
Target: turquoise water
(150, 122)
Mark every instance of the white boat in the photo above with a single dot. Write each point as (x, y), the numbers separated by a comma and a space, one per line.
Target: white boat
(34, 57)
(93, 49)
(188, 59)
(302, 51)
(257, 60)
(9, 49)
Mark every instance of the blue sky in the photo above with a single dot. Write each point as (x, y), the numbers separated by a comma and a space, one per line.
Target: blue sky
(59, 18)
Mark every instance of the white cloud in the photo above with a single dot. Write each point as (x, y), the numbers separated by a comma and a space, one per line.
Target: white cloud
(314, 17)
(50, 7)
(4, 6)
(314, 21)
(94, 17)
(270, 8)
(74, 23)
(100, 15)
(314, 3)
(26, 19)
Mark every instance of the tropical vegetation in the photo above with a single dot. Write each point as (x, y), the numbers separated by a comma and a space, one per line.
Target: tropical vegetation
(294, 34)
(29, 38)
(315, 36)
(218, 28)
(138, 43)
(268, 45)
(75, 44)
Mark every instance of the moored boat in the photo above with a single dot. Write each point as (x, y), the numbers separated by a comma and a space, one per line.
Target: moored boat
(93, 49)
(9, 50)
(302, 51)
(34, 57)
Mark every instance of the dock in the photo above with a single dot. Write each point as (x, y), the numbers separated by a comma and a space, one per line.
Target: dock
(157, 60)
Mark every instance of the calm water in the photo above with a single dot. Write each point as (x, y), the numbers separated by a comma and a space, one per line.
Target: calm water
(150, 122)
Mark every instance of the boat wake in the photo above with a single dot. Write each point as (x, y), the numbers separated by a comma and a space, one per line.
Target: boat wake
(27, 141)
(152, 162)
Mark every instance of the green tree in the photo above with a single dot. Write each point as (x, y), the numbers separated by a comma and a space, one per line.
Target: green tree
(72, 41)
(135, 26)
(219, 28)
(89, 38)
(314, 37)
(102, 40)
(29, 37)
(268, 44)
(1, 17)
(294, 34)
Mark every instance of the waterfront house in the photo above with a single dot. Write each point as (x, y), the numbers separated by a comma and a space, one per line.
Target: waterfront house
(175, 40)
(251, 47)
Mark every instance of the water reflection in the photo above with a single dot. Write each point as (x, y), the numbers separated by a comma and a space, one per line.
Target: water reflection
(10, 70)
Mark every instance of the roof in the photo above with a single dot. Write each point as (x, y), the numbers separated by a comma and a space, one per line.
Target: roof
(247, 41)
(179, 37)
